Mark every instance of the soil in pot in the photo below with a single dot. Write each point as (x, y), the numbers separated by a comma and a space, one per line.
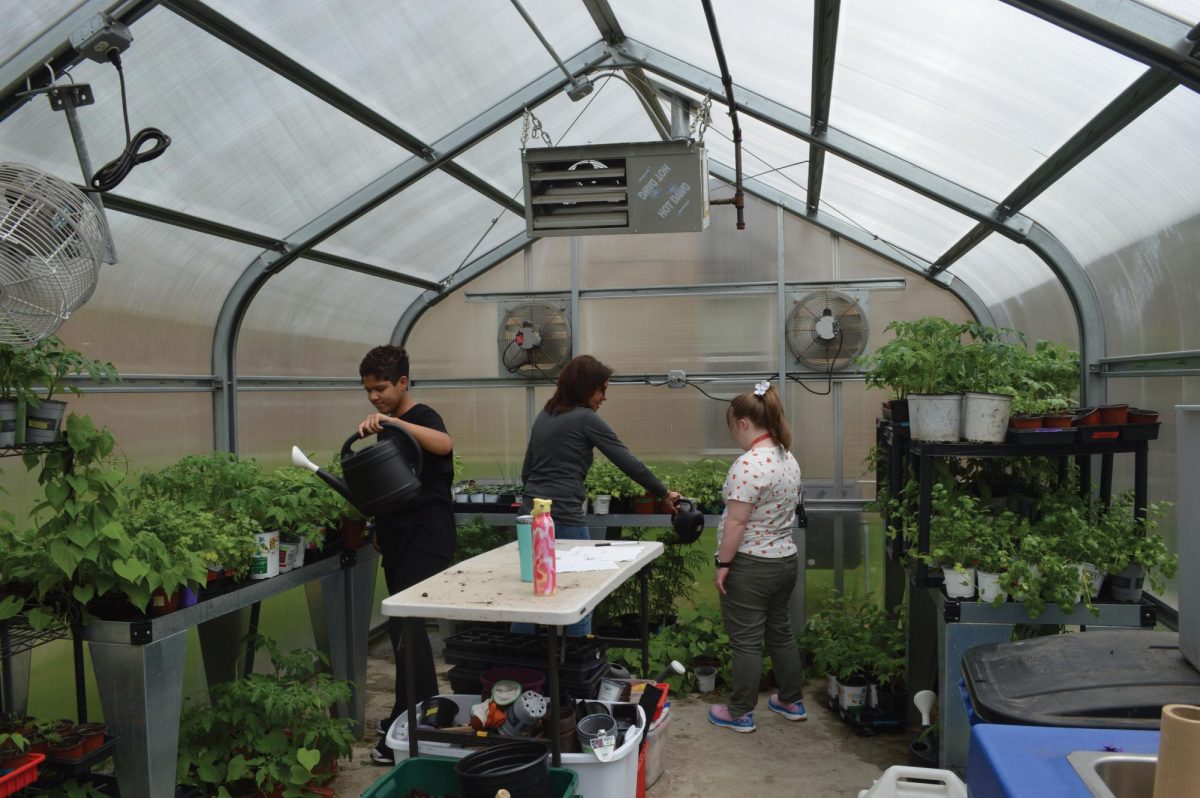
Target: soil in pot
(92, 734)
(67, 748)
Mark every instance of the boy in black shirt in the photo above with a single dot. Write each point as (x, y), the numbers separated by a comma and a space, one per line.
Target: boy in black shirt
(418, 541)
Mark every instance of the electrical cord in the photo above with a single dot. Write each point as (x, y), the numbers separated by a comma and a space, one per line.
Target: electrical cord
(111, 174)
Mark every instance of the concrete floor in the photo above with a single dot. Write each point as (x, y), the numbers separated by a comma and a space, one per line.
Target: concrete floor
(819, 757)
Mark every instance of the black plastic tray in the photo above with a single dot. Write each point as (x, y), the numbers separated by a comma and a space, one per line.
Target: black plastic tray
(85, 763)
(1104, 432)
(1140, 432)
(1044, 435)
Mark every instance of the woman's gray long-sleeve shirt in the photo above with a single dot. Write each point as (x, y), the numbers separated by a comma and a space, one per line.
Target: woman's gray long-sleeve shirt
(560, 454)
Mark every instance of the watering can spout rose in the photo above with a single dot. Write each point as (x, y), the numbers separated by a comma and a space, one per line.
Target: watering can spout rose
(377, 479)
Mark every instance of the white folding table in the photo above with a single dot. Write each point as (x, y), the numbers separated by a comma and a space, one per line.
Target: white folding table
(489, 588)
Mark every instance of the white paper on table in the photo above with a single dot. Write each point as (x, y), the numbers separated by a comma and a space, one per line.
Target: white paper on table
(614, 553)
(567, 561)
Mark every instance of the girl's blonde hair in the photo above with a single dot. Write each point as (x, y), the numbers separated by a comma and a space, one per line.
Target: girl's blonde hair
(764, 411)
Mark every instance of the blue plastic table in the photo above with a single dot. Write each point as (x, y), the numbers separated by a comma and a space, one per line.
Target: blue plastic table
(1031, 761)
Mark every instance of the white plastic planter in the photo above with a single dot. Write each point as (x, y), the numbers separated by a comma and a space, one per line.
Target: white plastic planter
(936, 418)
(985, 417)
(989, 586)
(959, 584)
(8, 422)
(1127, 585)
(265, 562)
(1094, 577)
(852, 695)
(600, 504)
(706, 678)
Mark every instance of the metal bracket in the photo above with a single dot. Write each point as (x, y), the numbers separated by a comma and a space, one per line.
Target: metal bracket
(141, 633)
(952, 612)
(65, 95)
(349, 558)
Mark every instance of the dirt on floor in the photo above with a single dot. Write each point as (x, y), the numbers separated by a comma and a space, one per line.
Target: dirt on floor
(821, 757)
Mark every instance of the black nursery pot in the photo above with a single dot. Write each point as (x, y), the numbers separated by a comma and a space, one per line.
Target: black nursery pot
(521, 768)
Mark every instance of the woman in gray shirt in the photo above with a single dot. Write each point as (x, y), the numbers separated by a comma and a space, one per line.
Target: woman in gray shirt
(560, 453)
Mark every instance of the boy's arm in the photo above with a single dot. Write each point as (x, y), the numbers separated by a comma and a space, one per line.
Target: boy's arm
(429, 439)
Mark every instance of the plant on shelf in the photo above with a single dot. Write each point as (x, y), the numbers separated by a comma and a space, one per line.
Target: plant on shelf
(1132, 541)
(605, 479)
(51, 363)
(1047, 380)
(993, 359)
(267, 733)
(924, 357)
(954, 528)
(291, 501)
(704, 481)
(476, 537)
(672, 582)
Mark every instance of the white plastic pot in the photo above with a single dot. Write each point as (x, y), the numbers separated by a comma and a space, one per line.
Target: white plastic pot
(935, 418)
(265, 562)
(600, 504)
(831, 686)
(985, 417)
(1095, 578)
(1127, 585)
(706, 678)
(852, 694)
(989, 586)
(8, 422)
(959, 584)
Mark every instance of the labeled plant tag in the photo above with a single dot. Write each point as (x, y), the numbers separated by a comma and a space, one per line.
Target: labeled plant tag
(604, 746)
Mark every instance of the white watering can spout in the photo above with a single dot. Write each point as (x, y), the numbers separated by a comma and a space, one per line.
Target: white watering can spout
(924, 701)
(300, 461)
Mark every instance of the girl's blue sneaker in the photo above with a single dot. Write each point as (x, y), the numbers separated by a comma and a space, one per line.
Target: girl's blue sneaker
(792, 711)
(719, 715)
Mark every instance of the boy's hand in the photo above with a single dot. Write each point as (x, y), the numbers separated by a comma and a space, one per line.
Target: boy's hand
(373, 424)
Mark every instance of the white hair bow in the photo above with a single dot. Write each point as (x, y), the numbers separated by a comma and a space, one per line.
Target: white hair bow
(761, 388)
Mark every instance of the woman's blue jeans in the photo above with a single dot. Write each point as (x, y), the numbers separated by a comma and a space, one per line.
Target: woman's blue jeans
(584, 625)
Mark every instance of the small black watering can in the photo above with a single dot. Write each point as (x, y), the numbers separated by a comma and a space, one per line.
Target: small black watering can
(378, 478)
(687, 520)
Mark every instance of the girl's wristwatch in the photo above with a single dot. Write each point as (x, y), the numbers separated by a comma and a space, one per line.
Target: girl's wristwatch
(717, 560)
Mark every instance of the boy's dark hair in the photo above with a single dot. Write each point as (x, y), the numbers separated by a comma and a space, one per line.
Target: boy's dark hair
(580, 378)
(386, 362)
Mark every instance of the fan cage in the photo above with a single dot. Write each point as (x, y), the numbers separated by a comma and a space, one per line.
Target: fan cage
(546, 359)
(52, 240)
(816, 353)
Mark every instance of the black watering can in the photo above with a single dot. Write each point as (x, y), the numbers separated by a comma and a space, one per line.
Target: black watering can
(687, 520)
(377, 478)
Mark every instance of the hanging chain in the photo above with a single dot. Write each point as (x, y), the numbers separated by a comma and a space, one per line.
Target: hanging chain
(702, 119)
(535, 130)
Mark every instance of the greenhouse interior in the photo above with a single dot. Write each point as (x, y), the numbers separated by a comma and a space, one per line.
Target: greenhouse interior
(936, 258)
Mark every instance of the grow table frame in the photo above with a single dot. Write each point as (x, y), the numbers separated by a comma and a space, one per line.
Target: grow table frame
(488, 587)
(960, 625)
(139, 665)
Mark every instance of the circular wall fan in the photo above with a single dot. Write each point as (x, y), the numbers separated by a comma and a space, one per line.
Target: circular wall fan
(534, 339)
(827, 330)
(52, 241)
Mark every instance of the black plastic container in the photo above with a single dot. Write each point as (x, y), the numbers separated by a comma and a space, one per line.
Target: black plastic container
(522, 768)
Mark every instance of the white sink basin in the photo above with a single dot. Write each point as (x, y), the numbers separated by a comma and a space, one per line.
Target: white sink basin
(1115, 775)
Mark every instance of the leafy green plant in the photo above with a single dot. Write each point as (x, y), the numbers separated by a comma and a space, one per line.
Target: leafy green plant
(704, 481)
(699, 632)
(851, 635)
(1047, 379)
(993, 359)
(954, 529)
(924, 357)
(292, 501)
(1132, 540)
(51, 362)
(272, 731)
(604, 478)
(671, 580)
(476, 537)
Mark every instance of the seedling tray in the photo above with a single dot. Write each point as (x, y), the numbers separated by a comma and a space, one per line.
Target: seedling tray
(20, 774)
(1043, 435)
(1101, 432)
(85, 763)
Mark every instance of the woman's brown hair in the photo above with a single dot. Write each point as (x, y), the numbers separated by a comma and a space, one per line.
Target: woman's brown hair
(579, 380)
(765, 412)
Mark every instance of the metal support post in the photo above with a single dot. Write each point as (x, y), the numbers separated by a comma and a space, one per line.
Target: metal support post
(552, 633)
(219, 644)
(411, 628)
(141, 689)
(644, 585)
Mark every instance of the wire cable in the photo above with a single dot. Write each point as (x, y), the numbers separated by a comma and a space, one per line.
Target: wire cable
(111, 174)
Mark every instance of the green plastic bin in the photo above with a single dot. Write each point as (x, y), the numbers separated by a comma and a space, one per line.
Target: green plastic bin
(436, 776)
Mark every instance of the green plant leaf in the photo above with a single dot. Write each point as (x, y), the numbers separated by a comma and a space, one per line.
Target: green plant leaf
(309, 757)
(237, 768)
(131, 569)
(83, 593)
(10, 606)
(57, 494)
(39, 618)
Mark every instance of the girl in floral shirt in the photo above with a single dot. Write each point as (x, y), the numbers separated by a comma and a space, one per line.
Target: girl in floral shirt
(756, 559)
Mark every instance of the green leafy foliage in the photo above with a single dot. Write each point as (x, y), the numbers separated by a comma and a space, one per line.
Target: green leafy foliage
(476, 537)
(671, 580)
(853, 635)
(48, 364)
(604, 478)
(272, 730)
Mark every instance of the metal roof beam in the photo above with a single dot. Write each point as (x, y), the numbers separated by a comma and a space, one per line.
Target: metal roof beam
(610, 30)
(1144, 34)
(825, 28)
(1112, 119)
(361, 202)
(204, 17)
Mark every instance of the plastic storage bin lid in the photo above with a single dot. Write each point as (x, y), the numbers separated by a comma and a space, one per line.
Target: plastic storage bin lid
(1109, 679)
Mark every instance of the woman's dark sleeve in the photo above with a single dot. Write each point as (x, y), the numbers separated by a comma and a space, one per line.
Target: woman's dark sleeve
(603, 438)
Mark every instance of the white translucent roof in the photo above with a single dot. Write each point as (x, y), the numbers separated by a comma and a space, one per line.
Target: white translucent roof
(975, 92)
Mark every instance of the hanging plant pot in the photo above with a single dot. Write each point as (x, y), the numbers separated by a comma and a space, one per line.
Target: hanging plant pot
(985, 416)
(1128, 585)
(989, 586)
(959, 584)
(1137, 416)
(42, 422)
(8, 422)
(935, 418)
(1114, 414)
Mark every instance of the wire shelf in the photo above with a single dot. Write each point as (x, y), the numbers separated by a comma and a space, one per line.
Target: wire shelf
(17, 636)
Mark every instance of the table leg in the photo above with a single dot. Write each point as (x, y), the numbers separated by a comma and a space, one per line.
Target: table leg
(644, 580)
(141, 689)
(552, 667)
(410, 683)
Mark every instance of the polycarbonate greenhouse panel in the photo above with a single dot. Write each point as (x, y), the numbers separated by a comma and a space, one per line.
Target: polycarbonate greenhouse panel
(974, 90)
(428, 230)
(1185, 10)
(248, 148)
(270, 423)
(612, 113)
(769, 156)
(24, 22)
(1131, 214)
(1020, 290)
(900, 218)
(154, 311)
(808, 251)
(315, 320)
(488, 427)
(427, 66)
(670, 426)
(767, 44)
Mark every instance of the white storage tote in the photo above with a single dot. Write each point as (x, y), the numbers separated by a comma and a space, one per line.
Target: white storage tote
(656, 747)
(617, 777)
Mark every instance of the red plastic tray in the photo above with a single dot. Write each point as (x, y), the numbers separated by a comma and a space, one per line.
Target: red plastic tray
(24, 773)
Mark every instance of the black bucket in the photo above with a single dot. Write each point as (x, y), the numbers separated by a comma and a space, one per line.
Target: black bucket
(522, 768)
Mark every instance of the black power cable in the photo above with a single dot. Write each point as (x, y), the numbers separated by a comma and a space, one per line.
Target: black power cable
(111, 174)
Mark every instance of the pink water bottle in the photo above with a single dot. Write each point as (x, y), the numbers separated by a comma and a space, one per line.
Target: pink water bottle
(545, 575)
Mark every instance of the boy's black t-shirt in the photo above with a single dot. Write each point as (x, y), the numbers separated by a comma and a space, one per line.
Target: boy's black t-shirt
(428, 524)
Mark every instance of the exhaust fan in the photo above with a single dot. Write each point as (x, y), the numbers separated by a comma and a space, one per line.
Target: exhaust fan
(827, 330)
(650, 187)
(534, 339)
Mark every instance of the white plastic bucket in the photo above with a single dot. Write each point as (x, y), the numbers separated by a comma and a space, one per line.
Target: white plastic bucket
(852, 696)
(985, 417)
(959, 584)
(616, 777)
(291, 555)
(935, 418)
(265, 562)
(706, 678)
(989, 586)
(831, 686)
(600, 504)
